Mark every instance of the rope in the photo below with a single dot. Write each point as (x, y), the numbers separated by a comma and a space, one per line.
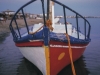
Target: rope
(36, 30)
(70, 54)
(49, 25)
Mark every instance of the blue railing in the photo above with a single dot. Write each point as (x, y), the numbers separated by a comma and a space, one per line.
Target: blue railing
(77, 15)
(18, 35)
(15, 35)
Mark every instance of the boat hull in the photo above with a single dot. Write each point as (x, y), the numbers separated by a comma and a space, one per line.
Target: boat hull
(58, 55)
(36, 55)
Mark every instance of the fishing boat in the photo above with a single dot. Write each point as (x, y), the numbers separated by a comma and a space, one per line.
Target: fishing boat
(50, 45)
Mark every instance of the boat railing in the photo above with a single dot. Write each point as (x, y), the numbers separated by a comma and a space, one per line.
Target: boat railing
(18, 35)
(87, 33)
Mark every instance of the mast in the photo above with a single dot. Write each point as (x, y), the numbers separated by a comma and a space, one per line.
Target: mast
(52, 5)
(50, 11)
(48, 7)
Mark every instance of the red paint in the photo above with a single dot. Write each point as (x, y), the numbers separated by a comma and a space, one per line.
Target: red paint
(57, 65)
(30, 44)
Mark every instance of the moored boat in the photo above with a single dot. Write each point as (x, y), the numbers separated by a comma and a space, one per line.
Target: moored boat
(51, 46)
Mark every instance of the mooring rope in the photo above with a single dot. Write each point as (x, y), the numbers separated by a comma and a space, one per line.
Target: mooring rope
(70, 54)
(49, 24)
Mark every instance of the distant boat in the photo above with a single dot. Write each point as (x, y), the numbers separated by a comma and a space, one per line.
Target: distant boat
(51, 46)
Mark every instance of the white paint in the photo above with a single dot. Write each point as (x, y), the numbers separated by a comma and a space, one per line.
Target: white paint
(60, 28)
(53, 24)
(36, 55)
(36, 27)
(56, 20)
(62, 46)
(69, 29)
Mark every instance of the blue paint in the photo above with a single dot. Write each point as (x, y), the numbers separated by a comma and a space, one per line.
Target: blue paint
(46, 35)
(46, 38)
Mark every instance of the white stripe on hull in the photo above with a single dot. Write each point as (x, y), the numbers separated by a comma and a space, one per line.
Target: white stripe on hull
(62, 46)
(36, 55)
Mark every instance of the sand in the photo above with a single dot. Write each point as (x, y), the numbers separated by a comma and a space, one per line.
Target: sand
(4, 26)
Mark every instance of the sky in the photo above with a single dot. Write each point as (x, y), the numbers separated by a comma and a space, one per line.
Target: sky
(84, 7)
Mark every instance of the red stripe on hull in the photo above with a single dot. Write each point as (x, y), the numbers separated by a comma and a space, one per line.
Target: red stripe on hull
(30, 44)
(57, 65)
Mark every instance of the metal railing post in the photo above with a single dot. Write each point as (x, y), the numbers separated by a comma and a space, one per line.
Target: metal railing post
(17, 28)
(85, 28)
(77, 26)
(65, 19)
(43, 12)
(25, 21)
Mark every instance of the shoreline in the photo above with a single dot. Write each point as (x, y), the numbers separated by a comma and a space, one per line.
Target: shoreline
(4, 26)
